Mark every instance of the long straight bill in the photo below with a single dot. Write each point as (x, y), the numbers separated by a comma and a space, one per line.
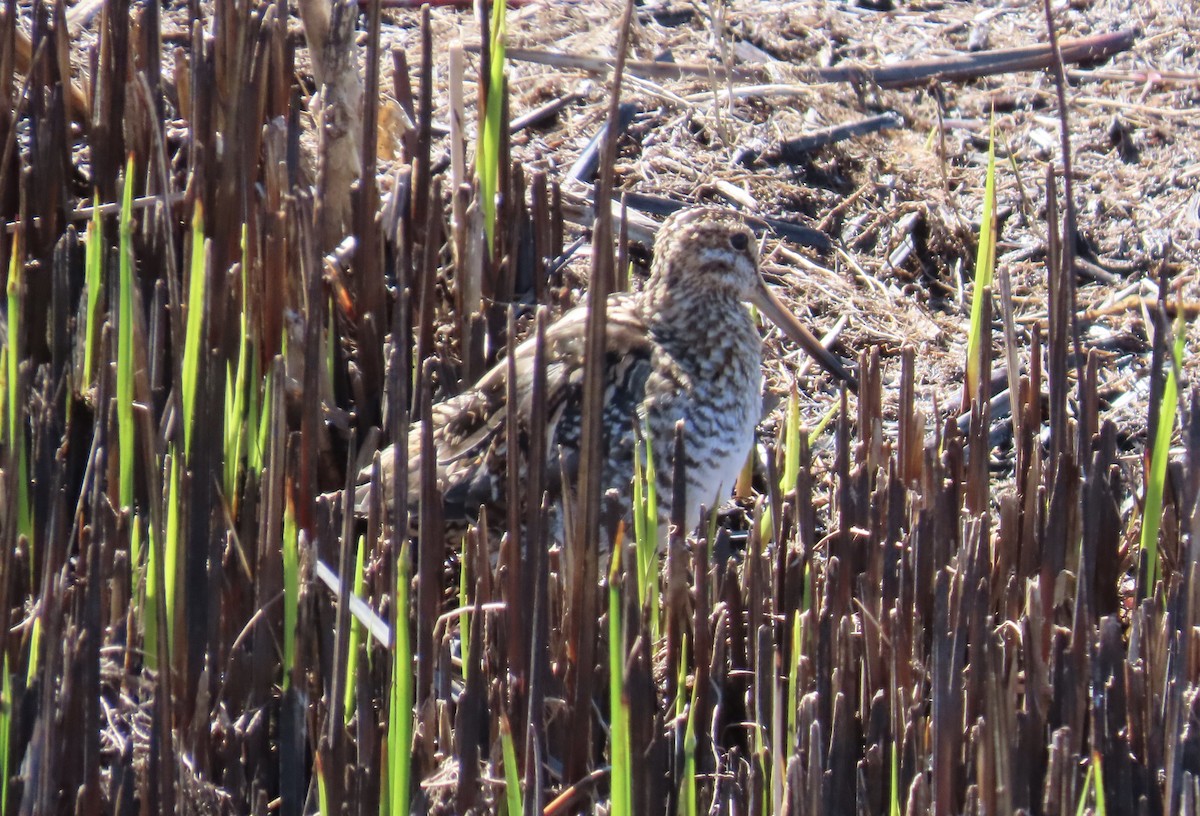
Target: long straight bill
(778, 314)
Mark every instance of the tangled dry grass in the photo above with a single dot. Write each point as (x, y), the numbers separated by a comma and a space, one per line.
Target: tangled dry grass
(948, 611)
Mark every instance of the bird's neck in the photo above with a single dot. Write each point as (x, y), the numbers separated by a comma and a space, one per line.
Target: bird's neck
(691, 309)
(694, 321)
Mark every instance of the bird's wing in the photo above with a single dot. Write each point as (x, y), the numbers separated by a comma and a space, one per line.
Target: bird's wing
(463, 424)
(468, 429)
(468, 422)
(628, 349)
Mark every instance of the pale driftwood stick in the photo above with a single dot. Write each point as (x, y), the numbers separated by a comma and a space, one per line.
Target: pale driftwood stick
(112, 208)
(1143, 77)
(959, 67)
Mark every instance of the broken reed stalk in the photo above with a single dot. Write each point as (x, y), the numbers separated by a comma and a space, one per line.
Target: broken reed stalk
(585, 537)
(920, 621)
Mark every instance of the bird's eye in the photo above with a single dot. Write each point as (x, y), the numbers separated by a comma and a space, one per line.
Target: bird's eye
(739, 241)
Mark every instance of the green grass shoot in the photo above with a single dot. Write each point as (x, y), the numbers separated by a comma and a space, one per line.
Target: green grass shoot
(645, 533)
(193, 346)
(398, 762)
(1098, 782)
(1093, 789)
(512, 781)
(94, 286)
(135, 550)
(1088, 782)
(791, 459)
(322, 787)
(126, 363)
(154, 595)
(125, 428)
(487, 162)
(235, 390)
(931, 138)
(257, 418)
(356, 634)
(791, 443)
(1157, 472)
(985, 266)
(618, 698)
(894, 780)
(684, 713)
(464, 601)
(291, 591)
(688, 804)
(823, 423)
(6, 705)
(173, 542)
(12, 402)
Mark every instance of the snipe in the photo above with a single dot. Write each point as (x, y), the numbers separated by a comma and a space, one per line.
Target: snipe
(683, 348)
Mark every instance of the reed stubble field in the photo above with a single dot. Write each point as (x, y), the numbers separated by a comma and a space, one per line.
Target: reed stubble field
(922, 602)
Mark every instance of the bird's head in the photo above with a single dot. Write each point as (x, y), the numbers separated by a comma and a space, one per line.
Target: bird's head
(709, 251)
(706, 248)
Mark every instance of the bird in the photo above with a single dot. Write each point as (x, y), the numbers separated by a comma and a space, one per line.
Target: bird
(683, 348)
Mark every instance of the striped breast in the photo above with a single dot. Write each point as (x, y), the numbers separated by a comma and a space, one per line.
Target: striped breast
(717, 377)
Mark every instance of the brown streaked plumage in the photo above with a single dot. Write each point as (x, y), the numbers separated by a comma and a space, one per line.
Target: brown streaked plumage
(684, 347)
